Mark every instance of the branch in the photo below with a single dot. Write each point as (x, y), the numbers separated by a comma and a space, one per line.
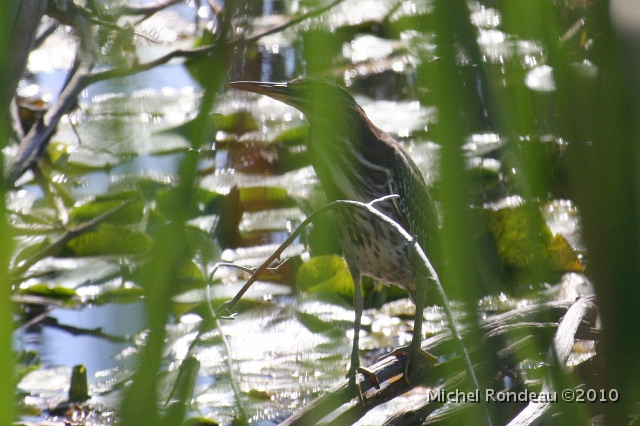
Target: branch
(229, 360)
(147, 9)
(421, 410)
(50, 29)
(93, 332)
(31, 146)
(426, 374)
(290, 23)
(582, 310)
(37, 138)
(201, 50)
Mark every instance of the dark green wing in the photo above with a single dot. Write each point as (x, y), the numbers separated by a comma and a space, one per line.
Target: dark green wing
(417, 207)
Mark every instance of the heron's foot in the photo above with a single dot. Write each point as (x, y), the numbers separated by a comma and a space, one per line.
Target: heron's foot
(410, 351)
(371, 375)
(352, 375)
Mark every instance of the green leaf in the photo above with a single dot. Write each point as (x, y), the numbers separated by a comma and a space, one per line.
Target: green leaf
(31, 250)
(237, 122)
(514, 235)
(202, 244)
(190, 275)
(325, 274)
(167, 203)
(200, 421)
(294, 136)
(110, 239)
(120, 295)
(58, 153)
(131, 213)
(206, 197)
(562, 256)
(261, 194)
(317, 325)
(182, 391)
(43, 290)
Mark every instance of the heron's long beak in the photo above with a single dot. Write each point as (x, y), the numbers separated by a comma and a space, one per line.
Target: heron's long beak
(278, 91)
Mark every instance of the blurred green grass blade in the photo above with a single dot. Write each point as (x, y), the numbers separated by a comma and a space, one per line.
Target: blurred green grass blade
(171, 251)
(7, 382)
(458, 277)
(606, 175)
(8, 18)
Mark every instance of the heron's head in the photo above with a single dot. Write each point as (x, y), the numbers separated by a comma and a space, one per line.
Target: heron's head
(321, 101)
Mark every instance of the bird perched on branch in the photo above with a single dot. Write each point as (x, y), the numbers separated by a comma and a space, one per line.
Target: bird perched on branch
(355, 160)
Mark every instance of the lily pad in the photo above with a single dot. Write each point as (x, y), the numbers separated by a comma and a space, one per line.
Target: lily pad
(110, 239)
(120, 295)
(563, 257)
(131, 213)
(57, 292)
(519, 244)
(237, 123)
(525, 245)
(325, 274)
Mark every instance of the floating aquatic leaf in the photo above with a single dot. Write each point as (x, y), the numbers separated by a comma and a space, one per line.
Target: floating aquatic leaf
(58, 153)
(294, 136)
(563, 257)
(200, 421)
(259, 395)
(316, 324)
(519, 243)
(110, 239)
(484, 174)
(50, 292)
(522, 245)
(131, 213)
(194, 300)
(26, 362)
(122, 295)
(325, 274)
(238, 122)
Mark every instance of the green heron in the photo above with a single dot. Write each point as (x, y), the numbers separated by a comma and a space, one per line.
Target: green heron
(355, 160)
